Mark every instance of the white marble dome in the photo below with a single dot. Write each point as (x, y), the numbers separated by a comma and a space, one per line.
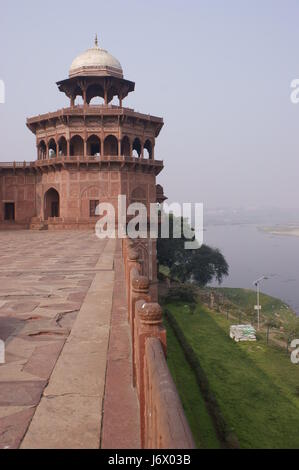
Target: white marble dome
(96, 61)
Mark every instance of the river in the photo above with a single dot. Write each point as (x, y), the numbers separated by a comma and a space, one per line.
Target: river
(252, 253)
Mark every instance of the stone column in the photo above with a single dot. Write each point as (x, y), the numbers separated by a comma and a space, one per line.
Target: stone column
(84, 96)
(68, 148)
(149, 324)
(140, 291)
(132, 263)
(131, 148)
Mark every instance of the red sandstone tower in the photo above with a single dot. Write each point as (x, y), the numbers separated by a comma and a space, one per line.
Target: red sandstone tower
(86, 153)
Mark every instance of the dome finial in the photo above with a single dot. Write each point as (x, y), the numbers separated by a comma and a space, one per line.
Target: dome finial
(96, 42)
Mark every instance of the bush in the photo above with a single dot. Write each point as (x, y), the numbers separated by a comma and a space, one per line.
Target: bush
(183, 293)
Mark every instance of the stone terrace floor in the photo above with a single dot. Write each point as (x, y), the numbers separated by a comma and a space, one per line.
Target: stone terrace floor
(68, 355)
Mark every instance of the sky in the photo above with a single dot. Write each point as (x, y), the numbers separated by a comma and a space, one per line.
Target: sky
(218, 72)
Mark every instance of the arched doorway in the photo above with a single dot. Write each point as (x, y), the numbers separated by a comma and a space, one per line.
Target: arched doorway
(51, 204)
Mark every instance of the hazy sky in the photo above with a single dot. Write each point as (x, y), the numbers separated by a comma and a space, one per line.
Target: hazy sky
(219, 73)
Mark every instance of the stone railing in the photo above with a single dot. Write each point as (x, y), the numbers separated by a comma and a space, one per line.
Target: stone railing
(16, 164)
(162, 418)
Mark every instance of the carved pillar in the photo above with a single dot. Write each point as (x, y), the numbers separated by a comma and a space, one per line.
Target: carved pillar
(140, 291)
(85, 148)
(119, 147)
(68, 148)
(106, 93)
(131, 148)
(149, 324)
(132, 263)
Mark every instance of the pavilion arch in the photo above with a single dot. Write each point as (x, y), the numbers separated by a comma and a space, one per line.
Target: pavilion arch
(137, 149)
(148, 149)
(62, 146)
(79, 101)
(51, 204)
(126, 147)
(93, 146)
(94, 91)
(76, 146)
(52, 148)
(111, 146)
(42, 150)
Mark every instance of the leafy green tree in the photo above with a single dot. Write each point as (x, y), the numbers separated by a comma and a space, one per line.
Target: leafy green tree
(200, 265)
(271, 323)
(291, 331)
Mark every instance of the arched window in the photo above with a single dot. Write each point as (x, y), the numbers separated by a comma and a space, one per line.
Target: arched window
(42, 150)
(79, 101)
(125, 147)
(52, 148)
(111, 146)
(148, 149)
(62, 147)
(76, 146)
(93, 146)
(137, 148)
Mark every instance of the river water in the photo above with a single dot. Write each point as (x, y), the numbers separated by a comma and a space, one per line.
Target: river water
(252, 253)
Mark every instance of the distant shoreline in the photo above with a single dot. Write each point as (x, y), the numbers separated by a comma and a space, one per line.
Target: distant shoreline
(290, 231)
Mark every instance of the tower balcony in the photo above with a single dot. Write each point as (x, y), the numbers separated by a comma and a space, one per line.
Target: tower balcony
(143, 164)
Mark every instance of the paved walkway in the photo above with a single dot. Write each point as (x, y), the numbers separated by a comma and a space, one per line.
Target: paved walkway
(59, 297)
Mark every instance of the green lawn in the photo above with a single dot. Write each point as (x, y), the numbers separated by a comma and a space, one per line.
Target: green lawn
(199, 419)
(245, 300)
(254, 384)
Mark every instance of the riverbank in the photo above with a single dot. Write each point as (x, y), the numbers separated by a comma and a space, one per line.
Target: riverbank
(255, 385)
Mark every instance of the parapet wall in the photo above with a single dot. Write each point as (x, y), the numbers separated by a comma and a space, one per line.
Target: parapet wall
(162, 418)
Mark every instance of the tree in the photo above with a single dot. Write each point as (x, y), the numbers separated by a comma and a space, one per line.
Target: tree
(271, 323)
(200, 266)
(291, 331)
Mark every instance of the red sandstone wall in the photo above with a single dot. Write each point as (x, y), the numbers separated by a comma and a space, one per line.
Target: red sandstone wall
(18, 187)
(162, 419)
(76, 188)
